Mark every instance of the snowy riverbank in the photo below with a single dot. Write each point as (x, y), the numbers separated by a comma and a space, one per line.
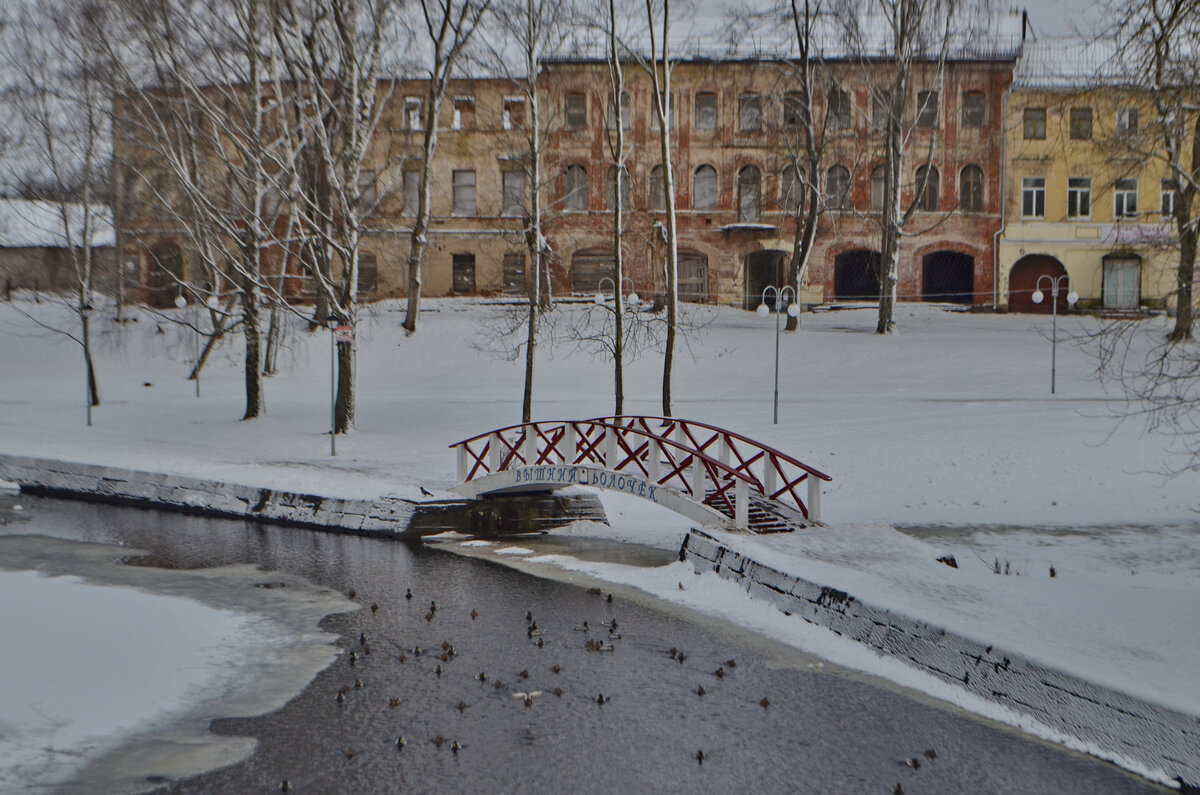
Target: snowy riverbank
(946, 425)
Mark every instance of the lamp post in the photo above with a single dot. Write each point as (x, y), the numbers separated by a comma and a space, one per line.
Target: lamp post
(1038, 296)
(333, 324)
(793, 309)
(601, 296)
(85, 312)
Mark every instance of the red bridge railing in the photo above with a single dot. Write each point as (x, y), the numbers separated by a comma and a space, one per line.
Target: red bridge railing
(710, 464)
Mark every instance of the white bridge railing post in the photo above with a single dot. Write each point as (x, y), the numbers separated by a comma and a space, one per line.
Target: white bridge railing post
(653, 458)
(741, 505)
(531, 447)
(814, 498)
(768, 479)
(462, 463)
(569, 444)
(610, 447)
(699, 487)
(494, 457)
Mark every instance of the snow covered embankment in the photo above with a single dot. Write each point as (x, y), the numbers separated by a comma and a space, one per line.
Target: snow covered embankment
(1140, 736)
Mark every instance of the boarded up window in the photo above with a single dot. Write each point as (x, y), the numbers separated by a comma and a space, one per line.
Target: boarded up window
(513, 189)
(693, 277)
(927, 109)
(706, 111)
(749, 194)
(412, 191)
(576, 111)
(575, 188)
(611, 191)
(837, 188)
(514, 274)
(464, 273)
(588, 268)
(838, 109)
(750, 116)
(464, 192)
(704, 188)
(974, 108)
(368, 274)
(658, 188)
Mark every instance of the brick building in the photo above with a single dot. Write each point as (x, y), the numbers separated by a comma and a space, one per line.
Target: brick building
(733, 128)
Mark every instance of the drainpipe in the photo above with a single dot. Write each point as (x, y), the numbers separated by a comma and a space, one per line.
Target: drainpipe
(1003, 196)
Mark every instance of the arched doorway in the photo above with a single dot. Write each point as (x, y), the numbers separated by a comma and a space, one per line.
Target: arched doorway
(763, 269)
(1023, 279)
(948, 276)
(856, 276)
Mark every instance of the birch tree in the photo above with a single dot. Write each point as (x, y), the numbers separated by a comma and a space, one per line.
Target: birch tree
(60, 91)
(448, 27)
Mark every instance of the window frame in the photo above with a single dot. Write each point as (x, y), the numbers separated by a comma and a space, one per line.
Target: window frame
(626, 189)
(463, 196)
(716, 187)
(657, 184)
(1081, 123)
(700, 113)
(458, 270)
(575, 118)
(410, 185)
(970, 111)
(1033, 197)
(1127, 121)
(414, 112)
(838, 202)
(1168, 197)
(512, 204)
(626, 112)
(1077, 193)
(750, 112)
(754, 215)
(575, 198)
(927, 200)
(973, 189)
(928, 110)
(1123, 191)
(1034, 119)
(839, 109)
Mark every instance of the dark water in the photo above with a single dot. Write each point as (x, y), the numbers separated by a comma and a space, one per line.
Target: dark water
(822, 732)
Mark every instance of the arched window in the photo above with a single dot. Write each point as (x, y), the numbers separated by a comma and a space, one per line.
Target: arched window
(878, 179)
(610, 196)
(575, 188)
(658, 188)
(838, 110)
(791, 189)
(970, 189)
(837, 188)
(927, 184)
(749, 194)
(704, 188)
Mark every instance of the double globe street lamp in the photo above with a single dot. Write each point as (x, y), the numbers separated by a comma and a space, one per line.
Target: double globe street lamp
(780, 303)
(1056, 282)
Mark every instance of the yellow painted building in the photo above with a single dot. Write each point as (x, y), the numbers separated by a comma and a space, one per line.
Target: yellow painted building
(1087, 192)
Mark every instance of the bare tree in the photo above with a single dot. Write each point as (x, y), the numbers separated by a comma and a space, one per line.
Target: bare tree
(533, 28)
(618, 151)
(333, 52)
(449, 26)
(897, 41)
(60, 94)
(1158, 53)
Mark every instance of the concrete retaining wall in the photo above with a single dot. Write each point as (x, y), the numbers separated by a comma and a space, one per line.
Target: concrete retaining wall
(1121, 727)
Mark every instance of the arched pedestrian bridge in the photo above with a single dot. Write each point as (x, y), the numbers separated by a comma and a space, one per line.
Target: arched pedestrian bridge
(708, 474)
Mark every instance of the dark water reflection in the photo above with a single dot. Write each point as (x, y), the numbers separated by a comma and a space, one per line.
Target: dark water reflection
(821, 732)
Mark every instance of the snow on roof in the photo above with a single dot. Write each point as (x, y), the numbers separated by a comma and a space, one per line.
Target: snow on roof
(30, 224)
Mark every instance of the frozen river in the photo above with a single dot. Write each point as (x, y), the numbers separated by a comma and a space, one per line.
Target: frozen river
(766, 717)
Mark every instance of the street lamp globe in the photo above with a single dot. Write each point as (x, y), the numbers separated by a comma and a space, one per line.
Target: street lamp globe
(1038, 296)
(763, 310)
(180, 301)
(1072, 298)
(599, 299)
(793, 309)
(212, 302)
(633, 298)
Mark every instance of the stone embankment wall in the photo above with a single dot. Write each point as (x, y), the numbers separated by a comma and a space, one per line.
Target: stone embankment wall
(1116, 726)
(383, 515)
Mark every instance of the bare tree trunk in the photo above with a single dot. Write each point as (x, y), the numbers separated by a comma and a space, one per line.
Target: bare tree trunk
(252, 334)
(344, 405)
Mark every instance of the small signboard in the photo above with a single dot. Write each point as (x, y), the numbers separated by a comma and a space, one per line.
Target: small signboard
(344, 334)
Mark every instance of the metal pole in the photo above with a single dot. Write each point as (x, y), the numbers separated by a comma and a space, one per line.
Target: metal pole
(332, 388)
(777, 303)
(196, 347)
(1053, 335)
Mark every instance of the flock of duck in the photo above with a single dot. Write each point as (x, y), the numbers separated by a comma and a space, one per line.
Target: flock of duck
(603, 638)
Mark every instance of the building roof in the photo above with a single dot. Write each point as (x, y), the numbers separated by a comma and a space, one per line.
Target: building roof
(39, 224)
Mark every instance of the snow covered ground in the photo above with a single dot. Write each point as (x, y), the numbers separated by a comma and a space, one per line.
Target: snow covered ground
(946, 430)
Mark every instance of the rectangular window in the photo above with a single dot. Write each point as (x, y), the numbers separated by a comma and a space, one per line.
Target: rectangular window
(514, 113)
(367, 195)
(927, 109)
(412, 113)
(1081, 124)
(412, 191)
(513, 194)
(1170, 194)
(1127, 121)
(464, 192)
(1079, 197)
(464, 113)
(1125, 198)
(464, 273)
(1033, 197)
(514, 274)
(974, 108)
(839, 110)
(1035, 124)
(706, 111)
(795, 114)
(368, 274)
(626, 114)
(576, 111)
(749, 113)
